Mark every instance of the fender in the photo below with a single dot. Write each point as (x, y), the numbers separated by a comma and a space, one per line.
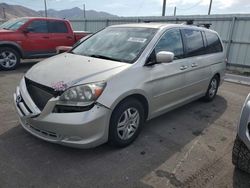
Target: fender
(14, 44)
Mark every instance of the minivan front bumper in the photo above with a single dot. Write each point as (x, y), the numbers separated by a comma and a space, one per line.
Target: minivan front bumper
(81, 129)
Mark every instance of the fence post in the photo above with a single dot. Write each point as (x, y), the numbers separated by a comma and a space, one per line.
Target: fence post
(230, 37)
(107, 22)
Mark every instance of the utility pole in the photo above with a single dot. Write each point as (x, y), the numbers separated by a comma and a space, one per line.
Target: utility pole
(4, 15)
(163, 7)
(84, 13)
(45, 8)
(174, 11)
(210, 6)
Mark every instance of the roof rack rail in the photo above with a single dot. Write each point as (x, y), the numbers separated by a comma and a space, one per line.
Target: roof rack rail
(206, 25)
(191, 22)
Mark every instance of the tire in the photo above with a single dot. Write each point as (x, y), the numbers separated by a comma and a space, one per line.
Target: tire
(130, 115)
(212, 89)
(241, 155)
(9, 58)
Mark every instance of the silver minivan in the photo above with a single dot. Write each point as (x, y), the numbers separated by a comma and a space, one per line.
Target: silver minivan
(105, 88)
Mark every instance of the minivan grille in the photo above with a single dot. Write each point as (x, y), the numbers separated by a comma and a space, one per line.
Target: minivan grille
(40, 94)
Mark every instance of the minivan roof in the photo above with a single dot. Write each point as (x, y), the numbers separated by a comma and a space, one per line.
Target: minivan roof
(158, 25)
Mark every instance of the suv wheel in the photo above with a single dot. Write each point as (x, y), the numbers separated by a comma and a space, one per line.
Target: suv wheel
(126, 122)
(9, 58)
(212, 89)
(241, 155)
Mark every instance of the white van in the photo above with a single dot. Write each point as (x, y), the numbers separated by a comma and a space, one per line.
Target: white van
(107, 86)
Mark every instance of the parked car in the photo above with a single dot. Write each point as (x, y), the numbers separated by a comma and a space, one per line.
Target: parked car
(105, 88)
(241, 149)
(30, 38)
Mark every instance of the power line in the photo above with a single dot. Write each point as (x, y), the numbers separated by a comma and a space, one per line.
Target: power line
(45, 7)
(210, 6)
(163, 7)
(84, 13)
(4, 14)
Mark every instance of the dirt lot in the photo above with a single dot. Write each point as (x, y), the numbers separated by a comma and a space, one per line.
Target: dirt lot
(188, 147)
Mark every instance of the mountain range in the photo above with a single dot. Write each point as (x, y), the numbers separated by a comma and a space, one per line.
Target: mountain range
(14, 11)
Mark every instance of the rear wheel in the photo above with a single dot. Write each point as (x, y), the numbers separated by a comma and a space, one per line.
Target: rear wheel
(241, 155)
(9, 58)
(212, 89)
(126, 122)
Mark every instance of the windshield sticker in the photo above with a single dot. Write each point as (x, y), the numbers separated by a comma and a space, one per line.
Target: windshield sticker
(135, 39)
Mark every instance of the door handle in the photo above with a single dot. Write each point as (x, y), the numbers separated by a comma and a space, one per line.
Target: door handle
(69, 37)
(45, 37)
(183, 67)
(194, 65)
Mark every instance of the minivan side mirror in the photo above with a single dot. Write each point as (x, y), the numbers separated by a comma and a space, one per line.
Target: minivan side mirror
(164, 57)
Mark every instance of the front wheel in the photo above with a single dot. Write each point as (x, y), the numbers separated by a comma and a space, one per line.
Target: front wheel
(212, 89)
(126, 122)
(9, 58)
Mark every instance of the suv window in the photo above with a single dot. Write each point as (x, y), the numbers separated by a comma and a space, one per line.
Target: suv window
(38, 26)
(194, 42)
(171, 41)
(213, 43)
(57, 27)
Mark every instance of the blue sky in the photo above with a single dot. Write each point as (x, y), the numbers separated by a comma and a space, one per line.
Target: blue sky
(142, 7)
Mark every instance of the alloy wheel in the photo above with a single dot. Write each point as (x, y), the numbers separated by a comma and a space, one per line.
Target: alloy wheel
(128, 123)
(8, 59)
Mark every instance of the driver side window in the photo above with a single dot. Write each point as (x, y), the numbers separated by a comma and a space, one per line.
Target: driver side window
(38, 26)
(171, 41)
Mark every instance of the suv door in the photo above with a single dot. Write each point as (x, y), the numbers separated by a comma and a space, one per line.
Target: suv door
(59, 34)
(37, 39)
(167, 79)
(198, 72)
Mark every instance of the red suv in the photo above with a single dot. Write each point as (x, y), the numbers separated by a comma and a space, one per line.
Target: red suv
(29, 38)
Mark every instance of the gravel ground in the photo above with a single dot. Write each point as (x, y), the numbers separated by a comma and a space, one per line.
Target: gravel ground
(188, 147)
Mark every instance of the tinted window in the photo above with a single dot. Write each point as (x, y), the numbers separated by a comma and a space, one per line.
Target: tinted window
(57, 27)
(38, 26)
(171, 41)
(213, 43)
(194, 42)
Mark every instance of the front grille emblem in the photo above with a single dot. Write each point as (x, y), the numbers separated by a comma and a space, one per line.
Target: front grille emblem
(59, 86)
(18, 99)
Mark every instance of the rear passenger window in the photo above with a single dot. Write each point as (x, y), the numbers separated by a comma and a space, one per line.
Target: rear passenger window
(57, 27)
(194, 42)
(213, 43)
(171, 41)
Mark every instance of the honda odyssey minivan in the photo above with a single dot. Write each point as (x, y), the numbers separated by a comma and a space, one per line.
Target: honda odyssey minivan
(104, 89)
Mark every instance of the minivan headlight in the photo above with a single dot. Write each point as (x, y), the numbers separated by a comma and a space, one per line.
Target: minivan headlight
(82, 95)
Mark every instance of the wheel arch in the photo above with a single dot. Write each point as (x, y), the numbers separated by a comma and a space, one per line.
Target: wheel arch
(138, 96)
(12, 45)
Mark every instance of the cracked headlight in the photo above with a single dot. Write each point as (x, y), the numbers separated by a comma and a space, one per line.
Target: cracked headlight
(82, 95)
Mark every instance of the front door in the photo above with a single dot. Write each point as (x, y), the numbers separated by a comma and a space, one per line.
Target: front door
(37, 39)
(167, 78)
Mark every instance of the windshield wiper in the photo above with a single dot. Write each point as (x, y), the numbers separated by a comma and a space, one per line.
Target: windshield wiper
(5, 28)
(103, 57)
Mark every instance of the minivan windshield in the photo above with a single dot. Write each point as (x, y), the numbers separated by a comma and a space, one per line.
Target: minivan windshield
(13, 24)
(123, 44)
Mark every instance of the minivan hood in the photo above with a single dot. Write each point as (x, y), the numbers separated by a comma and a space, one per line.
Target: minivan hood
(72, 69)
